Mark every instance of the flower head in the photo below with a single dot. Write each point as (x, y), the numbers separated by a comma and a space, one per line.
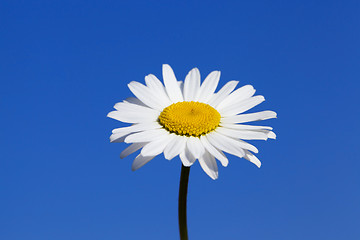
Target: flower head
(190, 120)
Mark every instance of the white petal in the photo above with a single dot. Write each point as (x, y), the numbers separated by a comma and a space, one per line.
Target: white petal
(237, 142)
(208, 164)
(175, 147)
(244, 127)
(271, 135)
(116, 139)
(146, 136)
(131, 149)
(181, 86)
(195, 147)
(241, 107)
(237, 96)
(115, 136)
(140, 161)
(172, 88)
(216, 153)
(250, 117)
(131, 107)
(135, 101)
(222, 93)
(226, 144)
(187, 158)
(138, 127)
(145, 95)
(208, 87)
(154, 84)
(156, 147)
(243, 134)
(133, 116)
(120, 132)
(192, 85)
(252, 158)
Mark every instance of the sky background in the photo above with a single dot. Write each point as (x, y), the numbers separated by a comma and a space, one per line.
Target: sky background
(64, 64)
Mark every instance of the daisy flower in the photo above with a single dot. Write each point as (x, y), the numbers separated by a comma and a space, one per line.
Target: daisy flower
(188, 119)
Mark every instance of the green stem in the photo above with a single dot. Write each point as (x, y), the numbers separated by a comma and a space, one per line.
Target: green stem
(184, 179)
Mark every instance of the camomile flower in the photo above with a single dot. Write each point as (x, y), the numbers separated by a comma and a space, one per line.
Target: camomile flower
(188, 119)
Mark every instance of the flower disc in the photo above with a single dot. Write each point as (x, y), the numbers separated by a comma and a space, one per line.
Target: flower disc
(189, 118)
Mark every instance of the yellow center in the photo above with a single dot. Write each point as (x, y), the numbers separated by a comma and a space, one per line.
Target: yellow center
(189, 118)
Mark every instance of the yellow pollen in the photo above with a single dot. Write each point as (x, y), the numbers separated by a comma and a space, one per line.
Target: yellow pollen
(189, 118)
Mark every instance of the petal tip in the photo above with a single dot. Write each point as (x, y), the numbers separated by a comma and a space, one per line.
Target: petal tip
(131, 83)
(112, 114)
(166, 66)
(271, 135)
(215, 176)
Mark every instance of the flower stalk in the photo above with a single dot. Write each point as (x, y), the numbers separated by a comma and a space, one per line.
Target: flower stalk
(184, 180)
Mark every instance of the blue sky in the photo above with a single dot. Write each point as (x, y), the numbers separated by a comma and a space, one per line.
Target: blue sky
(64, 64)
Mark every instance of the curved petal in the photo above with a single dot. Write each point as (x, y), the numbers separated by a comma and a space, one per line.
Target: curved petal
(187, 158)
(181, 86)
(134, 100)
(237, 96)
(236, 142)
(146, 136)
(208, 87)
(271, 135)
(140, 161)
(120, 132)
(137, 127)
(132, 107)
(172, 88)
(226, 144)
(243, 134)
(216, 153)
(244, 127)
(118, 139)
(154, 84)
(208, 164)
(241, 107)
(195, 147)
(131, 149)
(218, 97)
(175, 147)
(252, 158)
(249, 117)
(116, 136)
(145, 95)
(134, 116)
(192, 85)
(156, 147)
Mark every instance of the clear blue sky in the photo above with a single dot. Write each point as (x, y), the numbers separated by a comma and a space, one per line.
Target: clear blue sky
(64, 64)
